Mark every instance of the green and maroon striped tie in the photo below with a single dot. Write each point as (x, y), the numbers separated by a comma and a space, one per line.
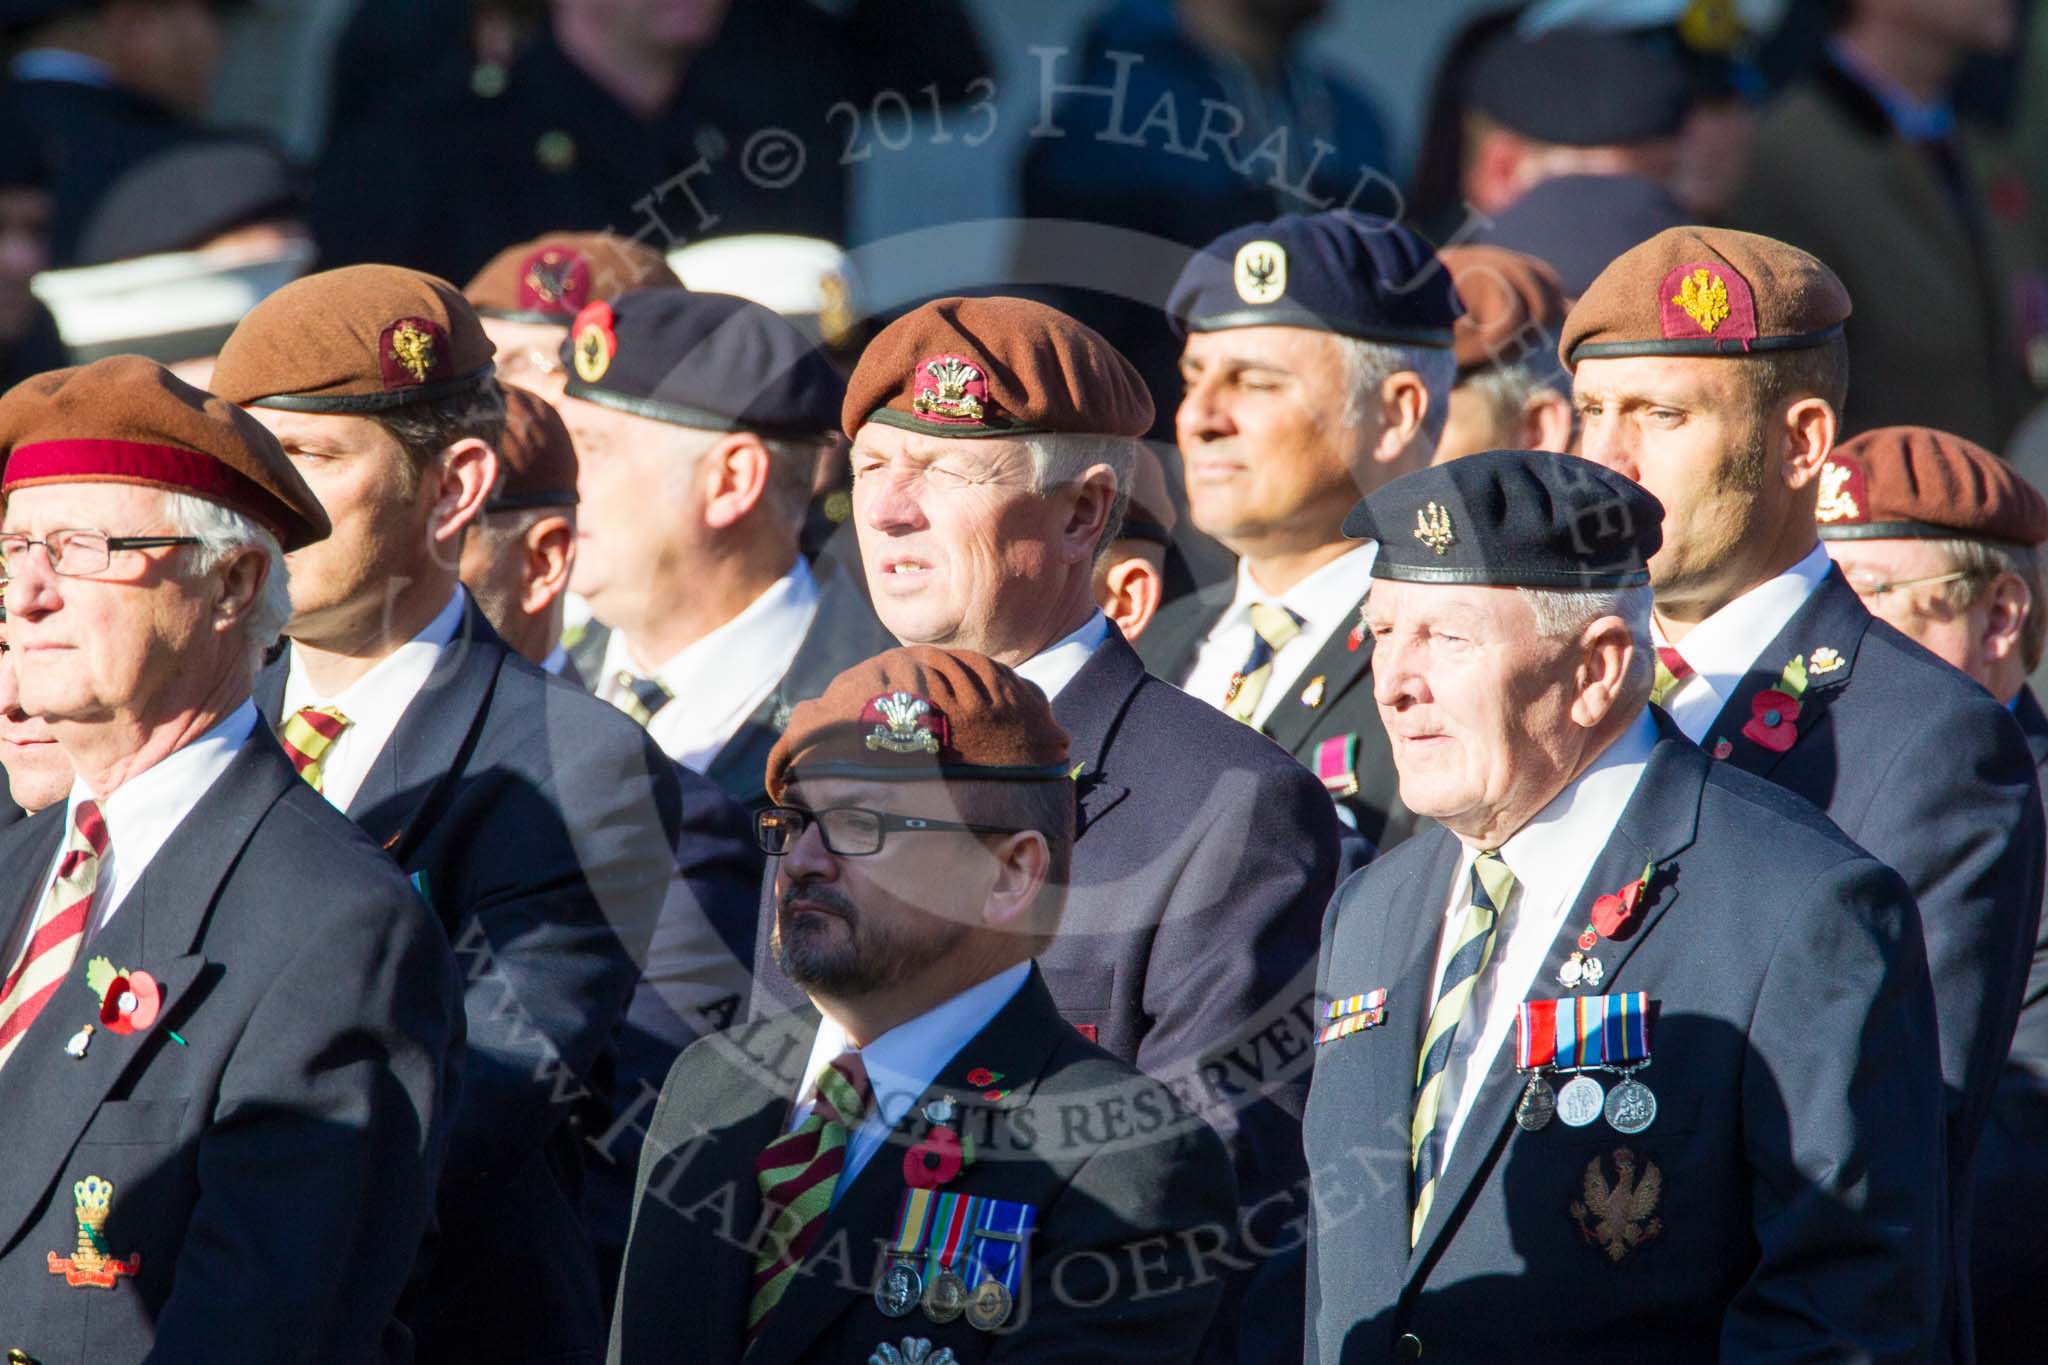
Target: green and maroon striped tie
(798, 1173)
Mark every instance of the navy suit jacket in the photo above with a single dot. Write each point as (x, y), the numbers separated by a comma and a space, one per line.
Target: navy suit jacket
(274, 1171)
(1205, 859)
(1786, 1203)
(2008, 1253)
(540, 826)
(1919, 765)
(1118, 1174)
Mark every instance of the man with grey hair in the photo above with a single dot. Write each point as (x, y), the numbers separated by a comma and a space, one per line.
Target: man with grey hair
(1318, 365)
(699, 420)
(992, 446)
(1511, 394)
(227, 1099)
(1632, 1028)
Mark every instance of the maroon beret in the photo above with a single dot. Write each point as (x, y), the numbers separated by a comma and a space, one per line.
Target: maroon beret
(1916, 483)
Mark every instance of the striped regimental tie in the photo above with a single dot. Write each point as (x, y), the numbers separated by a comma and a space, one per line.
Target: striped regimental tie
(639, 697)
(59, 929)
(1672, 671)
(1488, 896)
(798, 1173)
(307, 735)
(1272, 629)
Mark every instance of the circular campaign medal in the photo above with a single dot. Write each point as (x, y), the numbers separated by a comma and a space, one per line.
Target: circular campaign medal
(1631, 1107)
(898, 1291)
(945, 1297)
(1578, 1104)
(1538, 1104)
(988, 1307)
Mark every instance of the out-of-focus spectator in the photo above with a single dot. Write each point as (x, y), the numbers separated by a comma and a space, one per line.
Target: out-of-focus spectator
(664, 120)
(230, 197)
(1511, 393)
(1865, 164)
(1130, 576)
(29, 342)
(1178, 120)
(516, 555)
(105, 84)
(1571, 146)
(529, 293)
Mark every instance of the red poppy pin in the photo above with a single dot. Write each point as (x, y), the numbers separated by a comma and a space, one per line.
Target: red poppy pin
(1614, 914)
(129, 1001)
(934, 1159)
(986, 1081)
(1774, 715)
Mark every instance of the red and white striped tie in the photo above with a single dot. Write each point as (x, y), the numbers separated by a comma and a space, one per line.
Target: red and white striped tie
(59, 929)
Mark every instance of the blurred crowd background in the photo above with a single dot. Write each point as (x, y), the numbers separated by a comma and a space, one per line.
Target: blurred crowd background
(168, 162)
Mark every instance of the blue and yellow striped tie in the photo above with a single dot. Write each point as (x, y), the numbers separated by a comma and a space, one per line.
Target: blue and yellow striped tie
(1491, 885)
(1273, 629)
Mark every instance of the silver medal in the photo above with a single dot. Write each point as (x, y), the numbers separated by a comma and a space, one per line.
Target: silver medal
(898, 1291)
(1538, 1104)
(1578, 1104)
(1631, 1108)
(1571, 971)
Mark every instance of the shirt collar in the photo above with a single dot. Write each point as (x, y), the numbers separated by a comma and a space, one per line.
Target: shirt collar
(1914, 119)
(724, 659)
(143, 811)
(1322, 599)
(902, 1063)
(396, 679)
(1053, 668)
(1721, 648)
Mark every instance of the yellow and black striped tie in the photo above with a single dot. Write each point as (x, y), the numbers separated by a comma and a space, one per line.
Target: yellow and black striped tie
(1491, 885)
(639, 697)
(1273, 628)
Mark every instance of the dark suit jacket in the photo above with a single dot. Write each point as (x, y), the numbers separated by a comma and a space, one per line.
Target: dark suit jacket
(1787, 1201)
(1344, 708)
(2008, 1254)
(540, 825)
(1113, 1166)
(1206, 856)
(274, 1173)
(1919, 765)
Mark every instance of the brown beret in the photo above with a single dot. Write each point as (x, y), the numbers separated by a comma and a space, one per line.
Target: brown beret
(919, 713)
(1514, 304)
(552, 277)
(1916, 483)
(125, 419)
(1705, 291)
(536, 458)
(362, 339)
(995, 367)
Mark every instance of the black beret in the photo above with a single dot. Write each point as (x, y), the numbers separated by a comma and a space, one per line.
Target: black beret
(1580, 87)
(180, 199)
(1340, 272)
(1512, 519)
(702, 360)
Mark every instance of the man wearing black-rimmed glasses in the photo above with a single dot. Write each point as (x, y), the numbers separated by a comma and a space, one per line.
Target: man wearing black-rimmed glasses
(927, 1150)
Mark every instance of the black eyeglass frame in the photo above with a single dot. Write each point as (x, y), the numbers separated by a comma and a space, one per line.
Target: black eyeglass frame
(56, 553)
(886, 822)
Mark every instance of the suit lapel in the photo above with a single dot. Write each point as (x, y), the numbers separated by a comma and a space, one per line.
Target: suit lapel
(1660, 821)
(586, 653)
(2033, 723)
(157, 929)
(1090, 708)
(1340, 667)
(1833, 618)
(1169, 646)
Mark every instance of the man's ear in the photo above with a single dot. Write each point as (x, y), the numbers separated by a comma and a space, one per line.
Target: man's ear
(1606, 654)
(2007, 601)
(468, 471)
(1023, 863)
(1808, 428)
(1132, 589)
(550, 551)
(1092, 501)
(735, 473)
(1404, 402)
(242, 577)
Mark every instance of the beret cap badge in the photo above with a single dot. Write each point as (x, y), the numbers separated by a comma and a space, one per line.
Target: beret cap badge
(1840, 483)
(412, 353)
(1703, 296)
(555, 278)
(595, 342)
(1260, 271)
(904, 724)
(1700, 300)
(1433, 527)
(950, 388)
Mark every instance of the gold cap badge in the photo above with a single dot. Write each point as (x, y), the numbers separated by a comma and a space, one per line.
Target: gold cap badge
(1704, 297)
(1433, 528)
(1260, 271)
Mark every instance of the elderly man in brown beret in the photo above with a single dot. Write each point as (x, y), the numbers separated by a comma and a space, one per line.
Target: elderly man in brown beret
(991, 457)
(226, 1099)
(1942, 539)
(1710, 367)
(38, 775)
(541, 825)
(528, 295)
(924, 1161)
(519, 549)
(1511, 394)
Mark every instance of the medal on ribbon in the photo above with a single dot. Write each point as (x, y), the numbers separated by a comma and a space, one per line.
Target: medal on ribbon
(996, 1261)
(952, 1225)
(901, 1287)
(1579, 1036)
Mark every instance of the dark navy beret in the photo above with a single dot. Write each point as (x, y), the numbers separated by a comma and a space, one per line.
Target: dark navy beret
(1340, 272)
(1512, 519)
(1580, 87)
(713, 361)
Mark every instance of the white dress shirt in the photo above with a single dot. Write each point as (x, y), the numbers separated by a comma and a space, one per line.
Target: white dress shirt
(1326, 601)
(719, 680)
(1550, 857)
(143, 811)
(902, 1063)
(373, 703)
(1722, 648)
(1052, 668)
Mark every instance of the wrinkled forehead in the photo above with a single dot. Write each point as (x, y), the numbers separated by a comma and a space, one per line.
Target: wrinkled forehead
(879, 440)
(118, 508)
(1390, 603)
(922, 796)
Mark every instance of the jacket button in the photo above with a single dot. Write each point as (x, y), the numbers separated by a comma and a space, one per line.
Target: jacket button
(1409, 1347)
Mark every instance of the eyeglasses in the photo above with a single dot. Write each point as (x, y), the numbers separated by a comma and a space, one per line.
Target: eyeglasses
(1870, 587)
(849, 831)
(80, 554)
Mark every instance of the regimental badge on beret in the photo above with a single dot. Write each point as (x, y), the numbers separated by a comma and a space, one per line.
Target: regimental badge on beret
(1433, 528)
(1260, 271)
(1842, 495)
(1708, 301)
(413, 351)
(950, 388)
(596, 343)
(554, 279)
(904, 724)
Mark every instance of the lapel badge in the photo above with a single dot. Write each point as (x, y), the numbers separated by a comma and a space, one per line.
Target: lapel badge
(1312, 695)
(939, 1110)
(79, 1040)
(91, 1263)
(903, 724)
(1826, 659)
(1260, 271)
(912, 1351)
(1622, 1216)
(1354, 641)
(949, 388)
(129, 1001)
(1433, 528)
